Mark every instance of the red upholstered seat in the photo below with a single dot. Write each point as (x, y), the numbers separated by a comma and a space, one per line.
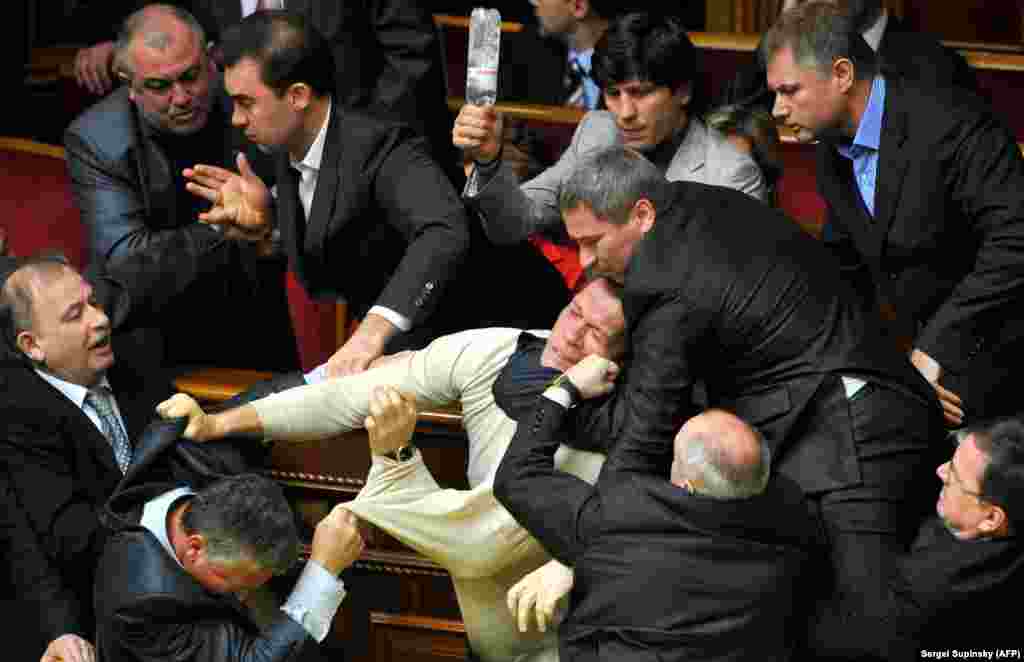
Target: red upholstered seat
(36, 206)
(315, 323)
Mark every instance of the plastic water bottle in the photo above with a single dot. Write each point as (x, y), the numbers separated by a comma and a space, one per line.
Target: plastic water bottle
(482, 60)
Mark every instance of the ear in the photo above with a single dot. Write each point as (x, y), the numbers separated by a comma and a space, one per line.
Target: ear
(29, 345)
(844, 74)
(995, 522)
(195, 547)
(299, 96)
(643, 213)
(683, 94)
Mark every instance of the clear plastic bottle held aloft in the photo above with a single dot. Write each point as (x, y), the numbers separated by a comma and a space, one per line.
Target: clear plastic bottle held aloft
(484, 49)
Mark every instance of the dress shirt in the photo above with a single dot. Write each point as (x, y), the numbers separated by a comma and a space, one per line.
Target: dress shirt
(312, 603)
(249, 6)
(590, 92)
(864, 149)
(77, 394)
(309, 171)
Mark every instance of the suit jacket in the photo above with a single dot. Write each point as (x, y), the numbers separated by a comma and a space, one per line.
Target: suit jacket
(511, 213)
(160, 612)
(638, 543)
(386, 227)
(132, 199)
(939, 597)
(764, 330)
(59, 467)
(386, 52)
(946, 246)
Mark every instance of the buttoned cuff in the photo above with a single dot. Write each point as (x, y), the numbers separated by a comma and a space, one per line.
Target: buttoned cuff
(314, 600)
(401, 322)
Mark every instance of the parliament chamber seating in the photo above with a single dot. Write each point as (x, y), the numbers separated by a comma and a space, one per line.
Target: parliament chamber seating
(400, 605)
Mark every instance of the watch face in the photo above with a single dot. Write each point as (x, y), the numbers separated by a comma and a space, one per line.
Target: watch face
(405, 453)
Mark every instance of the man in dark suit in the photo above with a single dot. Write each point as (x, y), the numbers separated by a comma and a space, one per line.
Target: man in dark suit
(125, 157)
(964, 562)
(924, 190)
(362, 210)
(721, 289)
(704, 566)
(192, 536)
(69, 418)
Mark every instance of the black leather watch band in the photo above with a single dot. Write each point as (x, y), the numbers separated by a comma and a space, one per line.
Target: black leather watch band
(402, 453)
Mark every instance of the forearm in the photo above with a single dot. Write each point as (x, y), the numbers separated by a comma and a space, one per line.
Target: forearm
(509, 212)
(547, 502)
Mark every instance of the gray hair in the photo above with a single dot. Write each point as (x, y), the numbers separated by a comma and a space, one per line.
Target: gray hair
(17, 299)
(819, 33)
(139, 25)
(610, 181)
(717, 476)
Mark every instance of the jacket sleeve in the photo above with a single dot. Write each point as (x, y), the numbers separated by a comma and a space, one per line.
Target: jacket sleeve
(510, 212)
(407, 40)
(557, 508)
(986, 180)
(37, 583)
(157, 629)
(419, 202)
(113, 209)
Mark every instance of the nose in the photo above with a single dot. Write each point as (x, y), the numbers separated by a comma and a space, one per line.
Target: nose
(99, 320)
(181, 94)
(237, 118)
(627, 108)
(778, 111)
(942, 471)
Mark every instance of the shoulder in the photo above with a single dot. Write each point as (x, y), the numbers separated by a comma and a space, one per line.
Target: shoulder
(597, 129)
(107, 127)
(156, 577)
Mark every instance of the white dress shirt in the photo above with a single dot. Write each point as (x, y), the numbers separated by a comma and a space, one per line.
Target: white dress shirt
(77, 394)
(309, 171)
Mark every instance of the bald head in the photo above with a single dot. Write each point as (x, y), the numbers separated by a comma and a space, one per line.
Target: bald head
(718, 455)
(155, 27)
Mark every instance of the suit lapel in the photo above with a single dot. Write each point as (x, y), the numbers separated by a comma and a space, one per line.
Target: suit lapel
(893, 161)
(691, 154)
(319, 225)
(87, 437)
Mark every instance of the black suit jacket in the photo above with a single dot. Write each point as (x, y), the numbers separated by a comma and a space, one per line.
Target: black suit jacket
(59, 468)
(147, 606)
(386, 227)
(946, 245)
(728, 291)
(941, 596)
(657, 568)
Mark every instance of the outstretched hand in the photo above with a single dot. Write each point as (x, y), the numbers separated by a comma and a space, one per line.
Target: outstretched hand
(239, 199)
(391, 421)
(69, 648)
(478, 132)
(540, 594)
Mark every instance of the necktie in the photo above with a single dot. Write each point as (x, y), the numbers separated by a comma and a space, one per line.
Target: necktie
(101, 400)
(300, 210)
(573, 82)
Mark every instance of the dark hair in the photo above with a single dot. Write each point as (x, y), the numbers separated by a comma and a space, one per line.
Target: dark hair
(1002, 482)
(757, 125)
(287, 47)
(245, 517)
(16, 302)
(648, 47)
(820, 33)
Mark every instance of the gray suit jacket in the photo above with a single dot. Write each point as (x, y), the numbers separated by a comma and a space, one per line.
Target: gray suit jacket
(511, 212)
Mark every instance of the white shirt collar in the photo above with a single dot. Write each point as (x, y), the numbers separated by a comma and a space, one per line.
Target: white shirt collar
(873, 35)
(315, 153)
(76, 393)
(154, 516)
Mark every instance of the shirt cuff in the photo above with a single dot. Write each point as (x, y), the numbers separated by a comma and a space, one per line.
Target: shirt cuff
(400, 321)
(314, 600)
(559, 395)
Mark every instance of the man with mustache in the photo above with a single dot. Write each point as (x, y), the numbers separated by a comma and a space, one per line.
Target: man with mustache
(126, 155)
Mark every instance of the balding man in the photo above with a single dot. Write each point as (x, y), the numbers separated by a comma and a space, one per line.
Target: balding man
(701, 567)
(126, 155)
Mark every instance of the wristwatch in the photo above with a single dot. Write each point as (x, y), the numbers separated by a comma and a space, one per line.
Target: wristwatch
(401, 454)
(565, 384)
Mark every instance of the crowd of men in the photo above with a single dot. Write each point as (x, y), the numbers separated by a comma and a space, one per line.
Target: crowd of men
(726, 446)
